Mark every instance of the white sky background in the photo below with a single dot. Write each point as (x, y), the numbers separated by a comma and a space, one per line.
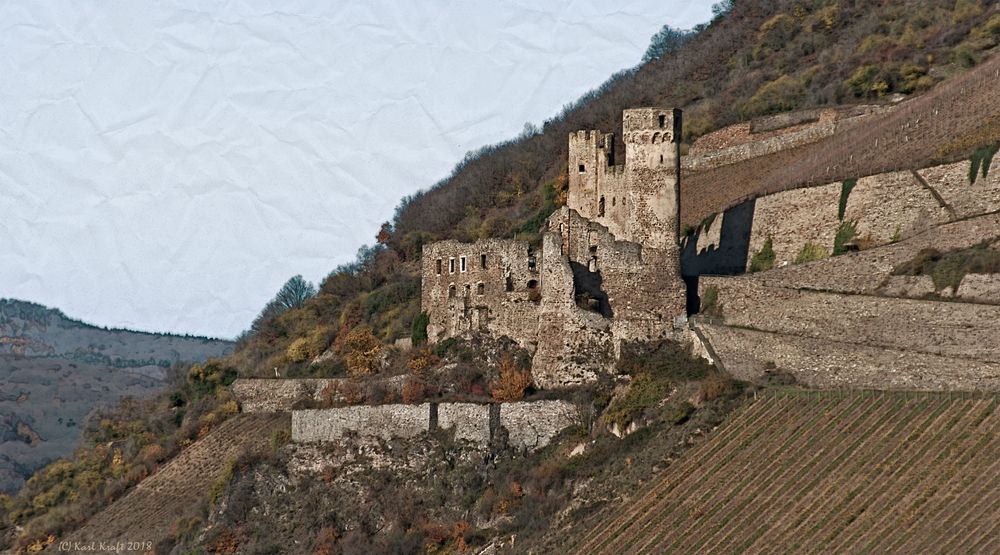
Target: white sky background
(167, 168)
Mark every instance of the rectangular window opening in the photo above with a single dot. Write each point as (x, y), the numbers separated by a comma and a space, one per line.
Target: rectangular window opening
(438, 266)
(482, 261)
(462, 263)
(583, 169)
(451, 265)
(663, 120)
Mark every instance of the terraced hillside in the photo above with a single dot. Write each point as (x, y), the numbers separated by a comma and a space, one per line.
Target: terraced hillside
(148, 512)
(825, 472)
(942, 125)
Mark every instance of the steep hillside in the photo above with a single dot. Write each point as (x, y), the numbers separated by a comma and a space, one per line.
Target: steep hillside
(54, 371)
(823, 473)
(757, 58)
(152, 511)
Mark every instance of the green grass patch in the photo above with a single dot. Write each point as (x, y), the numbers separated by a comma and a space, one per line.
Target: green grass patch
(811, 252)
(764, 258)
(845, 232)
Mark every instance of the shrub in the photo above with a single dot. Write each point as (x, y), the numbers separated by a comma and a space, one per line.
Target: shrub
(811, 252)
(414, 390)
(764, 258)
(206, 378)
(717, 385)
(351, 392)
(362, 349)
(418, 331)
(781, 95)
(845, 232)
(868, 81)
(512, 381)
(644, 392)
(667, 359)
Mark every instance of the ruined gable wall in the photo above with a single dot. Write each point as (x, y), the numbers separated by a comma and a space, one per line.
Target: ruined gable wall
(480, 299)
(644, 293)
(575, 346)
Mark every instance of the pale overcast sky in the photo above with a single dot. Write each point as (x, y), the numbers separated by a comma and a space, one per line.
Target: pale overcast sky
(167, 166)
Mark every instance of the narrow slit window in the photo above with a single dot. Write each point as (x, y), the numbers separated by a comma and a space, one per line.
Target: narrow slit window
(663, 120)
(451, 265)
(438, 266)
(482, 261)
(600, 208)
(451, 291)
(462, 263)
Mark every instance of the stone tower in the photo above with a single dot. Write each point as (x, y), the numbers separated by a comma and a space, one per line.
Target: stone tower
(637, 201)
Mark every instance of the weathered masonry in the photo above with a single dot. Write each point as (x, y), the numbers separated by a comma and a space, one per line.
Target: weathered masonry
(608, 270)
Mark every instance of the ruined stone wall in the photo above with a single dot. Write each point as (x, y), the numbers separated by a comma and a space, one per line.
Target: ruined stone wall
(575, 346)
(524, 426)
(278, 395)
(643, 285)
(286, 394)
(460, 295)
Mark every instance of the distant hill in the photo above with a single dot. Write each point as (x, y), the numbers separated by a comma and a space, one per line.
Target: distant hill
(55, 370)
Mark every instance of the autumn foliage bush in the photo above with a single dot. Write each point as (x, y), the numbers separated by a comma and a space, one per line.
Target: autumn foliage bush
(512, 381)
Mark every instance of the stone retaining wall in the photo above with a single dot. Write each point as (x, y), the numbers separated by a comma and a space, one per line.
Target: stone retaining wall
(525, 425)
(956, 329)
(822, 362)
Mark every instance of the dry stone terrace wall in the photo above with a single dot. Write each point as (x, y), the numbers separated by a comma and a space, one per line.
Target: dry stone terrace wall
(960, 330)
(285, 394)
(822, 362)
(867, 271)
(934, 126)
(525, 425)
(883, 208)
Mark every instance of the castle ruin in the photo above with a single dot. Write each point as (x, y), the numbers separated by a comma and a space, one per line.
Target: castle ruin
(608, 270)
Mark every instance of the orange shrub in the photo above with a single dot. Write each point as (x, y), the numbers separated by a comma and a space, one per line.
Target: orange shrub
(512, 382)
(414, 390)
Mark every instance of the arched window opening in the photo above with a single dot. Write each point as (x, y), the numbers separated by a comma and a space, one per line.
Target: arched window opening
(451, 291)
(532, 284)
